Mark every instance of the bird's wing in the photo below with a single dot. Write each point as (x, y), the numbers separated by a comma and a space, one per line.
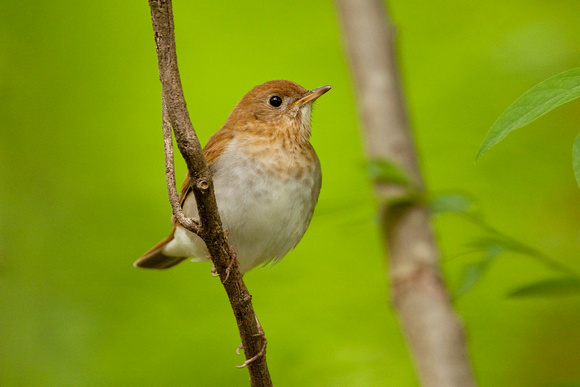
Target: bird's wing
(154, 258)
(215, 147)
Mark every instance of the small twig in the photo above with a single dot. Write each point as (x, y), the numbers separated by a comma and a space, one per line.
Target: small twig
(210, 226)
(190, 224)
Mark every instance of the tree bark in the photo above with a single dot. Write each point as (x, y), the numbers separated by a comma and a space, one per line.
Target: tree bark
(209, 227)
(419, 295)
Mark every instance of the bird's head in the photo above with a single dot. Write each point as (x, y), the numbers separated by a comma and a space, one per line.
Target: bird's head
(276, 108)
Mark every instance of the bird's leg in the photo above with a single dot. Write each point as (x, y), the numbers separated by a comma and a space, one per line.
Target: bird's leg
(232, 254)
(262, 350)
(229, 268)
(214, 271)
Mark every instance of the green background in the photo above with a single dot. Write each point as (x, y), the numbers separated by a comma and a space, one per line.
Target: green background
(82, 193)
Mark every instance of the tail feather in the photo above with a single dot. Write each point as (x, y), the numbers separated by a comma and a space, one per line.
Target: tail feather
(155, 259)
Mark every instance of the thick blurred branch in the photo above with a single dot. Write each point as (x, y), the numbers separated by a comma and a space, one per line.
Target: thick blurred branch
(209, 227)
(419, 295)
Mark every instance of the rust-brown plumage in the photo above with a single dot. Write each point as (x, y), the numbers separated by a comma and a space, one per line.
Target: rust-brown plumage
(266, 178)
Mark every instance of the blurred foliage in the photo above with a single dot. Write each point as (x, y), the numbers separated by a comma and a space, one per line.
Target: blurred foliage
(384, 171)
(550, 287)
(533, 104)
(82, 194)
(493, 243)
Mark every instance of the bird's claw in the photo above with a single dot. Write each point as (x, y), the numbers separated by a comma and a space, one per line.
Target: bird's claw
(228, 270)
(260, 353)
(262, 350)
(215, 273)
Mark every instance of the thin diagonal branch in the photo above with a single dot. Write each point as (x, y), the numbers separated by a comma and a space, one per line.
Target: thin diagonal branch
(210, 227)
(419, 294)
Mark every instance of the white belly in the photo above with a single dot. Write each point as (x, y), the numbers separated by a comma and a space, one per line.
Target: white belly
(265, 215)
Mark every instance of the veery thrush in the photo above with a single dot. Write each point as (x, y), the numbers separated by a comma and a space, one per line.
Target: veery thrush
(266, 178)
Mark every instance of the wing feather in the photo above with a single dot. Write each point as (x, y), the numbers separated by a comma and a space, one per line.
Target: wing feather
(154, 258)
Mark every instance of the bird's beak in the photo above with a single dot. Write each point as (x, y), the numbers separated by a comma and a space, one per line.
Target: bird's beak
(312, 96)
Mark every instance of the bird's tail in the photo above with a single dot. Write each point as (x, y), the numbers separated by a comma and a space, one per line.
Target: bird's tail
(155, 259)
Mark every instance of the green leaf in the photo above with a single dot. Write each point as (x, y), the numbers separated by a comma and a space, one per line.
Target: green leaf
(536, 102)
(385, 171)
(471, 275)
(451, 203)
(473, 272)
(497, 244)
(564, 286)
(576, 158)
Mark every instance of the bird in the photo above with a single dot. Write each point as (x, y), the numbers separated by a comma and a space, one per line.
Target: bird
(267, 179)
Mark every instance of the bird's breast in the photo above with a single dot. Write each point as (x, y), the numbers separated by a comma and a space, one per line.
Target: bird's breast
(268, 175)
(265, 199)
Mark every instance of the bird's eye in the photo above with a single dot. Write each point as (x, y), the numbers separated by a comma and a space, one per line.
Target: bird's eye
(275, 101)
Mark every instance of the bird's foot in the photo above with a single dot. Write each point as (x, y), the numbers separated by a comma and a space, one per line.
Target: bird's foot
(262, 350)
(215, 273)
(228, 270)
